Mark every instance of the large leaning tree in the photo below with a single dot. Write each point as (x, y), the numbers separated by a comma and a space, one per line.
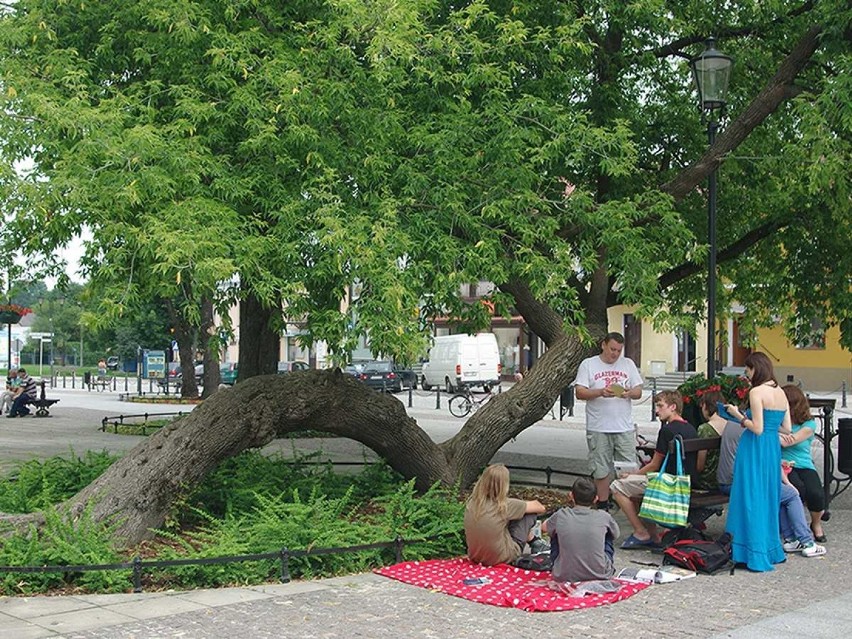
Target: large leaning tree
(409, 147)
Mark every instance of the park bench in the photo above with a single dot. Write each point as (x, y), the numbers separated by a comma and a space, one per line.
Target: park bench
(42, 404)
(703, 504)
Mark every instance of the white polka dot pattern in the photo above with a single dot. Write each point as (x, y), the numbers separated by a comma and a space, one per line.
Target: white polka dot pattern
(509, 587)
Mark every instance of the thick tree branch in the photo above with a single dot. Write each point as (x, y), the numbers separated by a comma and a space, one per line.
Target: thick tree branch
(761, 107)
(543, 320)
(676, 47)
(730, 252)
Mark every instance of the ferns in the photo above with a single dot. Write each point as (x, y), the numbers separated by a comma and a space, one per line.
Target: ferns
(251, 504)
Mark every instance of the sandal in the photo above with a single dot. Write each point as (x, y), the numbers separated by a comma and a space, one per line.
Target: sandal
(634, 543)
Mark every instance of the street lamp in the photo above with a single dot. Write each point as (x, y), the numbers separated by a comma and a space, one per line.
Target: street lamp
(711, 71)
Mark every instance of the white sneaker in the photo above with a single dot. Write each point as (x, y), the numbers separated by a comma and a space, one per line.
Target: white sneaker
(793, 545)
(813, 550)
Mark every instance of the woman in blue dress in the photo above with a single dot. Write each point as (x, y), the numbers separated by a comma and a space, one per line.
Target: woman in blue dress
(753, 518)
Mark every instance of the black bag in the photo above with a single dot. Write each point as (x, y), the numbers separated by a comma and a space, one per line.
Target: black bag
(708, 557)
(689, 533)
(539, 562)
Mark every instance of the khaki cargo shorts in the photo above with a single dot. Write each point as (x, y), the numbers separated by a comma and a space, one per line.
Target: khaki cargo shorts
(632, 486)
(606, 448)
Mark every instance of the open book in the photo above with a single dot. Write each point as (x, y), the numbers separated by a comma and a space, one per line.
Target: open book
(661, 575)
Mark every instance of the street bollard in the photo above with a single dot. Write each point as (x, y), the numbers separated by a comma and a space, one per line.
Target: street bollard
(438, 397)
(843, 394)
(410, 396)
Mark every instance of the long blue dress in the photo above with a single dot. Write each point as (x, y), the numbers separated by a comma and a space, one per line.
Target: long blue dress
(753, 512)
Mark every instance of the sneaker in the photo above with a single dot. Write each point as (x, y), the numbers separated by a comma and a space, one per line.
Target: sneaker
(539, 545)
(813, 550)
(793, 545)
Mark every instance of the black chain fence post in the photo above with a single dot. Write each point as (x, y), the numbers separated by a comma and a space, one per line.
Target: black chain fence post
(397, 546)
(437, 397)
(548, 472)
(137, 574)
(410, 396)
(285, 565)
(843, 394)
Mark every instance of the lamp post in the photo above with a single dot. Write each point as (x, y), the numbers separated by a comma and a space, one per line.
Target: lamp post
(711, 71)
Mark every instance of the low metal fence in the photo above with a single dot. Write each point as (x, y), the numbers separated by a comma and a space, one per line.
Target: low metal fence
(125, 420)
(138, 566)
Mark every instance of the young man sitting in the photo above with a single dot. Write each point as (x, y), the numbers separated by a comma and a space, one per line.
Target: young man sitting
(629, 489)
(581, 537)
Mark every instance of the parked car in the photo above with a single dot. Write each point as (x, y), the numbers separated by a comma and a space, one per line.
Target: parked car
(354, 369)
(384, 375)
(112, 362)
(175, 371)
(228, 373)
(292, 367)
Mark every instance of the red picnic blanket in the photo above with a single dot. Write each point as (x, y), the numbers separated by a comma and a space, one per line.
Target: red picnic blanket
(506, 586)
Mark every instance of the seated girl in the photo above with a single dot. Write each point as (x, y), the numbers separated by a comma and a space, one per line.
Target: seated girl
(496, 526)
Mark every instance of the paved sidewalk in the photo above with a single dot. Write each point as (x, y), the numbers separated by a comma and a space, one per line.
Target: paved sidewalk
(805, 597)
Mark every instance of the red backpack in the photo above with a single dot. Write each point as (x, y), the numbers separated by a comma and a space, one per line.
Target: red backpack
(708, 557)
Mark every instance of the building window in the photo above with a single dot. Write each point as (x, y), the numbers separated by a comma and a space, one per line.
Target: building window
(810, 335)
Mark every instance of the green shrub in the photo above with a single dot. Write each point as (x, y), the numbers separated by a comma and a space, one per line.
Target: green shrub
(35, 485)
(251, 504)
(62, 542)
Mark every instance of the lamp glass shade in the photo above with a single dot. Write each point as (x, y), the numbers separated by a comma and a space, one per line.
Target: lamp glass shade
(712, 72)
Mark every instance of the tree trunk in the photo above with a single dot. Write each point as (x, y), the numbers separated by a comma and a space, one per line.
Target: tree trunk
(211, 377)
(140, 489)
(259, 342)
(184, 335)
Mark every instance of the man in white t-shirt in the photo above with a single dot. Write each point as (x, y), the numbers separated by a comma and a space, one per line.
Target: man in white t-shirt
(608, 382)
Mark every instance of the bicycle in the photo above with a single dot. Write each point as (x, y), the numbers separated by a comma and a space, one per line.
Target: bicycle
(464, 402)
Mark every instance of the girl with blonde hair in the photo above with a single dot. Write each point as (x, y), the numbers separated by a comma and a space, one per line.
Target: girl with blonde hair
(496, 526)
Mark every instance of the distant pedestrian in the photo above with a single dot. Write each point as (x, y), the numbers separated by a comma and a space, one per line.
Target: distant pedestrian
(8, 395)
(26, 393)
(607, 383)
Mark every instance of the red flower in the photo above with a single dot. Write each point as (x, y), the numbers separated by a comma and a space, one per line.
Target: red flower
(15, 308)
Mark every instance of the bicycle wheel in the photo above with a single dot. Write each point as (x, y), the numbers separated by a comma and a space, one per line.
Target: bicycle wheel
(460, 405)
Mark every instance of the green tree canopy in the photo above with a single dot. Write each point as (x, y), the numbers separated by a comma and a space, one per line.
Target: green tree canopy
(414, 146)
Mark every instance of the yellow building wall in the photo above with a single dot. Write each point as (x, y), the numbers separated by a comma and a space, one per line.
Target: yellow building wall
(773, 342)
(656, 346)
(825, 369)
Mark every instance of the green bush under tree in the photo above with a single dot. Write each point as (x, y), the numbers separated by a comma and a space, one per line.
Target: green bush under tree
(251, 504)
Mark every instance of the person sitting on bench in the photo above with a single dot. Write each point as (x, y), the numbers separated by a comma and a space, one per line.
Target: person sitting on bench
(715, 426)
(629, 488)
(8, 395)
(26, 394)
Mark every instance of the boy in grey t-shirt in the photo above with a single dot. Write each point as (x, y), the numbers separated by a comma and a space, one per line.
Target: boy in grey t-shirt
(581, 538)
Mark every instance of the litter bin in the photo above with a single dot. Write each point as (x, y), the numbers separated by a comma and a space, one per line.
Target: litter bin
(844, 446)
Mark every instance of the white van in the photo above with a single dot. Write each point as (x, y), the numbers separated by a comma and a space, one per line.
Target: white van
(462, 360)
